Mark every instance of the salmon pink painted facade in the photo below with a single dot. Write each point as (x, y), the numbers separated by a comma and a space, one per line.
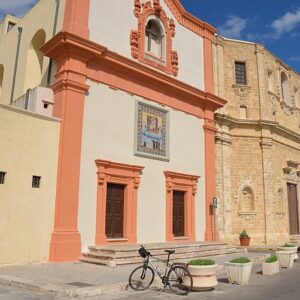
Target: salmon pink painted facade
(133, 87)
(102, 81)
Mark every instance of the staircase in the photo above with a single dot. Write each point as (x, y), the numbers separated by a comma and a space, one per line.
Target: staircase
(127, 254)
(295, 239)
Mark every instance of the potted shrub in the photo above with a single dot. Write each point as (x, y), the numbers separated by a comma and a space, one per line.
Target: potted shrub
(239, 270)
(244, 238)
(286, 258)
(203, 272)
(271, 265)
(291, 248)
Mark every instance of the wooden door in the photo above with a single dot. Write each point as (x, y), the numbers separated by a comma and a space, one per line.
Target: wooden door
(293, 208)
(114, 211)
(178, 213)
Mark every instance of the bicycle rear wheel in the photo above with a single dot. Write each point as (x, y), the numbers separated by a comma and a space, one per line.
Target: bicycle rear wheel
(180, 280)
(141, 278)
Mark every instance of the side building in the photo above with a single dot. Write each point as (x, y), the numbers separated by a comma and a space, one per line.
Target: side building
(29, 136)
(257, 143)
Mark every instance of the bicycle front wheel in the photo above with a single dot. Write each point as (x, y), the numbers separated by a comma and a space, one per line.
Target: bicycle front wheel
(141, 278)
(180, 280)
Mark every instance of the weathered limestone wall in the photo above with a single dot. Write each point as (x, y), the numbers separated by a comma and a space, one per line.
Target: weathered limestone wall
(258, 143)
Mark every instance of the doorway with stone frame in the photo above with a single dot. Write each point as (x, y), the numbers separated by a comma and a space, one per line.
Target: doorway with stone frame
(293, 209)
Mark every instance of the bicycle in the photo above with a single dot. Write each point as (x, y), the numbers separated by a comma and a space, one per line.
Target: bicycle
(175, 276)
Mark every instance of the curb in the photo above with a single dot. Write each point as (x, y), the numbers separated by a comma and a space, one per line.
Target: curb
(62, 290)
(91, 291)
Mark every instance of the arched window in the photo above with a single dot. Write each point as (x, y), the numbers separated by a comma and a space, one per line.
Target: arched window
(271, 80)
(1, 78)
(154, 42)
(34, 64)
(247, 200)
(285, 88)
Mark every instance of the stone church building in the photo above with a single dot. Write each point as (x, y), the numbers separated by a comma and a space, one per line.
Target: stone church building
(257, 143)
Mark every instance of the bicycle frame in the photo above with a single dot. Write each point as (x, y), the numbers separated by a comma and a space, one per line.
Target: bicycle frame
(150, 261)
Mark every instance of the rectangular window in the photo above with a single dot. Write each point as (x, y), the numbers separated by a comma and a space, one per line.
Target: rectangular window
(10, 26)
(2, 177)
(36, 181)
(240, 73)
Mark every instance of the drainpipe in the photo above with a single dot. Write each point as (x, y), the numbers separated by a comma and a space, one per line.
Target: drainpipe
(53, 34)
(20, 29)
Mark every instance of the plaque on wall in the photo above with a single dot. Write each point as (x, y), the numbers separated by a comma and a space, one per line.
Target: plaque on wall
(151, 134)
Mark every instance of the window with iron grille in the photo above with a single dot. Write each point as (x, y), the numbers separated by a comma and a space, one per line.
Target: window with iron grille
(240, 73)
(36, 181)
(2, 177)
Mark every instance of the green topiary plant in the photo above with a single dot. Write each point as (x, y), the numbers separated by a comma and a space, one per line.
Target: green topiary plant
(241, 260)
(244, 234)
(271, 259)
(288, 245)
(201, 262)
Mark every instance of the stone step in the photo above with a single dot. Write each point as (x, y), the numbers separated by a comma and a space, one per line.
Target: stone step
(174, 257)
(131, 251)
(121, 255)
(295, 239)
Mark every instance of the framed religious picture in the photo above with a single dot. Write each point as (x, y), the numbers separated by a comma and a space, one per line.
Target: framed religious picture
(152, 131)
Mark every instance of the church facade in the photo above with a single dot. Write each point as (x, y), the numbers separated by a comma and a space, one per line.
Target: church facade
(136, 110)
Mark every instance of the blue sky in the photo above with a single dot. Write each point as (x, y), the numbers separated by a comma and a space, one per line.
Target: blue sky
(275, 23)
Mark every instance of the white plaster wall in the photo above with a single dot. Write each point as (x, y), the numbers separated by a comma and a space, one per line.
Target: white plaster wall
(108, 133)
(111, 22)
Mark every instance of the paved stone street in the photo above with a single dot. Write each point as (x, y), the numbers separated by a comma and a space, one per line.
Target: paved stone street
(284, 285)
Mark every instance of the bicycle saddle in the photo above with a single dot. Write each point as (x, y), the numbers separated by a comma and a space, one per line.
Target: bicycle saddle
(170, 251)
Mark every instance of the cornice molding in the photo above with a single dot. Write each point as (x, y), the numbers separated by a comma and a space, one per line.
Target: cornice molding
(261, 123)
(189, 21)
(94, 58)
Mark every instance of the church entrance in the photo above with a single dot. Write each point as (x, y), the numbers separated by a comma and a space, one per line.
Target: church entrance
(178, 213)
(114, 211)
(293, 208)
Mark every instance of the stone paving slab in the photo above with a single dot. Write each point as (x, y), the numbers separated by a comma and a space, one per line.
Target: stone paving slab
(81, 279)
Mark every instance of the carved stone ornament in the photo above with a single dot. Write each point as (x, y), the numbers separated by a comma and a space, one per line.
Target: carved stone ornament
(241, 90)
(291, 174)
(172, 27)
(288, 110)
(174, 62)
(247, 216)
(168, 63)
(134, 43)
(157, 7)
(137, 8)
(273, 99)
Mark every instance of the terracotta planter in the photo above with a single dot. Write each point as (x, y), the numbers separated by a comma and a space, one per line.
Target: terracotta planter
(245, 241)
(238, 273)
(204, 277)
(271, 268)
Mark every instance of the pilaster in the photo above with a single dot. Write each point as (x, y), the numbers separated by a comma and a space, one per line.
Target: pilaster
(211, 234)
